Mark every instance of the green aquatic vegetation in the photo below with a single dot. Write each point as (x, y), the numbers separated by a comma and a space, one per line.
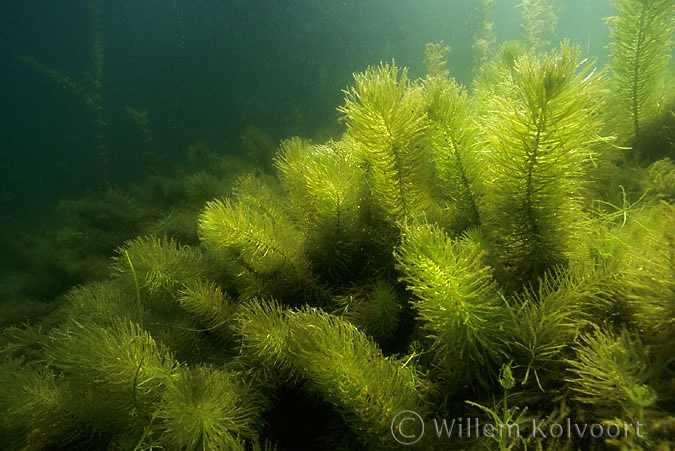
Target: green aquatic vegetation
(264, 334)
(539, 142)
(349, 371)
(208, 305)
(156, 267)
(204, 408)
(326, 195)
(375, 309)
(612, 373)
(496, 78)
(453, 134)
(337, 362)
(615, 375)
(385, 116)
(660, 179)
(484, 37)
(434, 59)
(642, 36)
(93, 303)
(258, 235)
(547, 320)
(33, 406)
(449, 233)
(121, 372)
(647, 282)
(504, 417)
(539, 21)
(457, 301)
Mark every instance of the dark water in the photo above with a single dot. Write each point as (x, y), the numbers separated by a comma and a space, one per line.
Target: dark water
(205, 70)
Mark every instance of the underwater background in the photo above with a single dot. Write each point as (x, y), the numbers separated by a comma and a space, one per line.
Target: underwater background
(279, 224)
(206, 70)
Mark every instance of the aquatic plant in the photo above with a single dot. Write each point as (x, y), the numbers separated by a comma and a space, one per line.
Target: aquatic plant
(484, 37)
(539, 21)
(204, 408)
(257, 235)
(457, 301)
(384, 115)
(337, 362)
(642, 35)
(326, 193)
(611, 372)
(91, 92)
(539, 143)
(453, 134)
(444, 254)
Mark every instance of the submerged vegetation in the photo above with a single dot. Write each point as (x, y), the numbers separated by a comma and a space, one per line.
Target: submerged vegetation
(492, 252)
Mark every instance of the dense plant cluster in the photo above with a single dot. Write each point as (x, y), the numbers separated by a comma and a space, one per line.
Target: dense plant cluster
(485, 254)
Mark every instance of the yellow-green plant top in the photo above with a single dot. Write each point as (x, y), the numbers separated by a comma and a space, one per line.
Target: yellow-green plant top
(385, 115)
(539, 142)
(641, 47)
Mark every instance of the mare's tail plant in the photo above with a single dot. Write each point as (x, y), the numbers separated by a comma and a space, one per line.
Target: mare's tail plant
(457, 302)
(385, 116)
(538, 144)
(642, 40)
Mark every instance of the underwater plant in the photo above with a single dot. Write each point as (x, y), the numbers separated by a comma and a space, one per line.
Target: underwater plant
(539, 21)
(337, 362)
(453, 134)
(91, 94)
(457, 302)
(384, 115)
(539, 143)
(642, 41)
(484, 37)
(208, 409)
(256, 234)
(327, 193)
(447, 256)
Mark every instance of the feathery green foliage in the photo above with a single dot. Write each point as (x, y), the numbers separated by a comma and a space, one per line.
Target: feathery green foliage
(95, 301)
(158, 267)
(539, 22)
(384, 115)
(337, 362)
(484, 38)
(375, 309)
(206, 409)
(612, 374)
(434, 59)
(457, 301)
(124, 356)
(506, 418)
(207, 303)
(547, 320)
(326, 192)
(496, 77)
(538, 146)
(264, 335)
(348, 370)
(642, 40)
(648, 280)
(256, 233)
(448, 234)
(120, 371)
(453, 134)
(660, 180)
(32, 403)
